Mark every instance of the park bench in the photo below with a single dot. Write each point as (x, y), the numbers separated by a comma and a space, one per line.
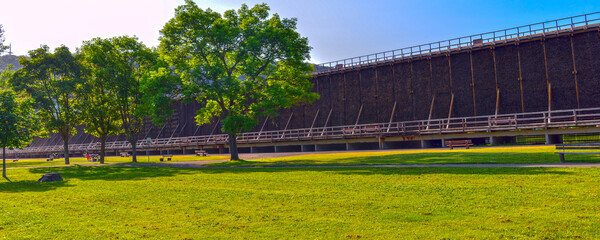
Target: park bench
(562, 149)
(15, 160)
(124, 154)
(201, 153)
(167, 157)
(49, 159)
(495, 121)
(459, 143)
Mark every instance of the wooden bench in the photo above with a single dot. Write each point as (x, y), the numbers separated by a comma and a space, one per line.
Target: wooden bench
(495, 121)
(563, 148)
(201, 153)
(15, 160)
(124, 154)
(167, 157)
(459, 143)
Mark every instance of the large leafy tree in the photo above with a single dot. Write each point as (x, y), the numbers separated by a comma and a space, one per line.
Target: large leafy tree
(98, 97)
(241, 65)
(53, 80)
(131, 72)
(18, 121)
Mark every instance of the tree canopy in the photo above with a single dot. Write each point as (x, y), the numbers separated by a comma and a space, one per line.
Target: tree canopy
(134, 82)
(241, 65)
(18, 121)
(52, 80)
(98, 97)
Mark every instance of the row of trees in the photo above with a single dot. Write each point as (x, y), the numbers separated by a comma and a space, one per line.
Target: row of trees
(240, 65)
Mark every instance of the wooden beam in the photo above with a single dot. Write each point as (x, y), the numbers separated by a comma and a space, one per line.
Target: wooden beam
(472, 84)
(327, 121)
(575, 72)
(450, 110)
(263, 127)
(287, 124)
(430, 111)
(520, 79)
(392, 116)
(313, 122)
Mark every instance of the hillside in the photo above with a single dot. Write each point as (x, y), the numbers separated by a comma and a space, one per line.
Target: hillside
(9, 59)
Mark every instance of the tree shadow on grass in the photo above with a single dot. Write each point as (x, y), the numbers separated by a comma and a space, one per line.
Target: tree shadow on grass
(121, 173)
(105, 173)
(31, 186)
(112, 173)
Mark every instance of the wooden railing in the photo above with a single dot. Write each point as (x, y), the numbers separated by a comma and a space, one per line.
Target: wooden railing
(543, 29)
(501, 122)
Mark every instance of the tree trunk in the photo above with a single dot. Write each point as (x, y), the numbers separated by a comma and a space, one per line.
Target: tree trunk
(66, 146)
(233, 147)
(4, 162)
(133, 149)
(102, 148)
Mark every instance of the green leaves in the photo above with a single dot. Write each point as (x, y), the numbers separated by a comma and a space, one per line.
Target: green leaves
(242, 65)
(52, 80)
(18, 121)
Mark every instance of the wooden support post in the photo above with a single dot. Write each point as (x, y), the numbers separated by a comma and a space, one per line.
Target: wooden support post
(473, 83)
(575, 72)
(548, 85)
(450, 110)
(497, 101)
(520, 77)
(261, 128)
(357, 118)
(163, 127)
(287, 124)
(196, 131)
(172, 134)
(313, 123)
(145, 136)
(327, 121)
(430, 111)
(392, 116)
(215, 128)
(183, 128)
(549, 102)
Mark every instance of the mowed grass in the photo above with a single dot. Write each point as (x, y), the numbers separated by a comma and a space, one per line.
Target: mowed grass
(108, 160)
(530, 154)
(112, 202)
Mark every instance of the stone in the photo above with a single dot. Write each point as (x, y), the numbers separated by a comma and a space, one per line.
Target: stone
(51, 177)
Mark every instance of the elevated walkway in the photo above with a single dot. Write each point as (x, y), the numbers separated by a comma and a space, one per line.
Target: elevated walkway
(423, 133)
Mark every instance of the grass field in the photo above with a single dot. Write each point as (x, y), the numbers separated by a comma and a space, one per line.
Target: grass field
(534, 154)
(109, 160)
(305, 203)
(110, 202)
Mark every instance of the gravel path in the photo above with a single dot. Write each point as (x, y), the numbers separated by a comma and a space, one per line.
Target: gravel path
(248, 156)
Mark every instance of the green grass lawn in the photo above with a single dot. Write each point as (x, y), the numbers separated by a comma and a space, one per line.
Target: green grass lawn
(535, 154)
(109, 160)
(301, 203)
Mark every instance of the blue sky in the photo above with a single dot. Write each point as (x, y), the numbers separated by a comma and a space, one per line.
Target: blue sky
(336, 29)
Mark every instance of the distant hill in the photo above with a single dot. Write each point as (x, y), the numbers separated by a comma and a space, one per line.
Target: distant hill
(9, 59)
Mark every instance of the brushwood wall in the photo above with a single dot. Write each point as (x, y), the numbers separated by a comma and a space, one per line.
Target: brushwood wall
(517, 77)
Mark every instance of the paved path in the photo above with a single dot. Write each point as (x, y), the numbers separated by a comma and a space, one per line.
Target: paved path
(248, 156)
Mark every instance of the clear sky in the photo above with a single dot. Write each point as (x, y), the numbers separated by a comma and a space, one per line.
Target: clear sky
(336, 29)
